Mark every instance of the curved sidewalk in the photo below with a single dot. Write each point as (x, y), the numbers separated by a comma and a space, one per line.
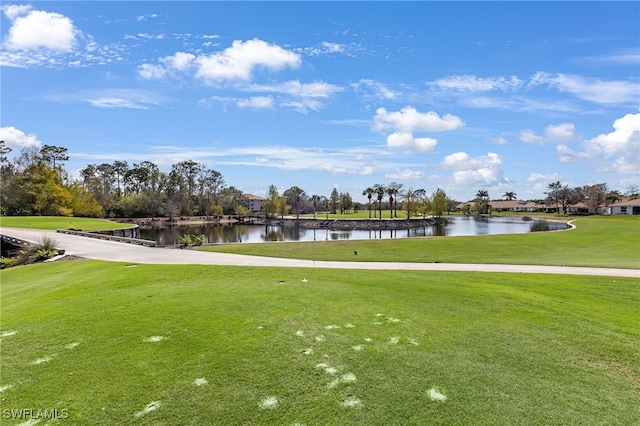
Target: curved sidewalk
(121, 252)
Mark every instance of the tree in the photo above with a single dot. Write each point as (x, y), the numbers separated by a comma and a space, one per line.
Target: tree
(482, 202)
(369, 193)
(553, 194)
(184, 176)
(346, 202)
(633, 191)
(394, 192)
(335, 199)
(272, 204)
(612, 197)
(439, 202)
(120, 169)
(50, 154)
(293, 196)
(315, 202)
(379, 190)
(421, 201)
(509, 196)
(595, 196)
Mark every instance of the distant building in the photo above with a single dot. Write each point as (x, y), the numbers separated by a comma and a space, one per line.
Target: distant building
(623, 207)
(255, 203)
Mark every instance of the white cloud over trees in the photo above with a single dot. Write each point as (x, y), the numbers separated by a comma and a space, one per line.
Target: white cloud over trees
(16, 139)
(481, 170)
(621, 147)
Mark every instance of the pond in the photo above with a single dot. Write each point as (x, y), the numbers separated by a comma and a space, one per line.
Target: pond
(238, 233)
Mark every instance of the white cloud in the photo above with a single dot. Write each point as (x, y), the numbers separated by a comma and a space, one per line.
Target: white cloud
(410, 143)
(409, 120)
(152, 72)
(529, 136)
(615, 151)
(543, 177)
(12, 11)
(373, 88)
(406, 174)
(540, 181)
(257, 102)
(239, 61)
(619, 57)
(112, 102)
(16, 139)
(559, 133)
(482, 170)
(317, 89)
(590, 89)
(38, 29)
(471, 83)
(564, 132)
(179, 61)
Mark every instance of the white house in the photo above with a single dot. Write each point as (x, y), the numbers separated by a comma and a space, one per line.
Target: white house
(623, 207)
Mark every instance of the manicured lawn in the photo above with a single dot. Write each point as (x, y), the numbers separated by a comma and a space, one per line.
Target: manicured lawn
(260, 346)
(597, 241)
(60, 222)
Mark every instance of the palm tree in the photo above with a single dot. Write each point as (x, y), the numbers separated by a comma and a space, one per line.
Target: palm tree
(482, 201)
(369, 193)
(509, 196)
(315, 200)
(380, 190)
(394, 191)
(421, 198)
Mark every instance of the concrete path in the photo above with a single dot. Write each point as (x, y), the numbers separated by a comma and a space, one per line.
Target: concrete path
(121, 252)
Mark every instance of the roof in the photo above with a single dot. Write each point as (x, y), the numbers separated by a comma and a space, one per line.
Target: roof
(254, 197)
(627, 203)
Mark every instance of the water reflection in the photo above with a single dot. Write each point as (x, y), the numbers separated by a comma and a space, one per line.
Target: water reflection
(241, 233)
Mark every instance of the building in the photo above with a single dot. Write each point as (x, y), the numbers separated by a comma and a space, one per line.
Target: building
(255, 203)
(623, 207)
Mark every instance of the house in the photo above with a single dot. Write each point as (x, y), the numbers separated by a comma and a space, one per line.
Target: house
(631, 206)
(513, 206)
(255, 203)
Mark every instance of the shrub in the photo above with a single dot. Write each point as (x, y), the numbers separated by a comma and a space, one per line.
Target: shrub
(7, 262)
(44, 254)
(539, 225)
(191, 240)
(197, 240)
(184, 240)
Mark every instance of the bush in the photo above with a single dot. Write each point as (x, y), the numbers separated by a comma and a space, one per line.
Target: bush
(191, 240)
(44, 254)
(185, 240)
(539, 226)
(197, 240)
(7, 262)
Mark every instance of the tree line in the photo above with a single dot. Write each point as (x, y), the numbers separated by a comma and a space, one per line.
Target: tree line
(36, 183)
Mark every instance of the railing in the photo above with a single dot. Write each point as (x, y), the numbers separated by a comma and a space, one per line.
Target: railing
(137, 241)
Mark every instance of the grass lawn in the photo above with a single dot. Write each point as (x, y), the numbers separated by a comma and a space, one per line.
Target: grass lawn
(60, 222)
(612, 241)
(119, 344)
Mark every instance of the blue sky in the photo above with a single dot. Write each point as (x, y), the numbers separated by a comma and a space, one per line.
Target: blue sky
(501, 96)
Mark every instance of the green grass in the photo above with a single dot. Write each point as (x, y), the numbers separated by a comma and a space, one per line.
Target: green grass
(597, 241)
(502, 348)
(60, 222)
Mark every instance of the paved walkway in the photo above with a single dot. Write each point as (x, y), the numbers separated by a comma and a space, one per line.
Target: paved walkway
(121, 252)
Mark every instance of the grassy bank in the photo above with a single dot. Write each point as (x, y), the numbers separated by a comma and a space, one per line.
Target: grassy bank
(60, 222)
(597, 241)
(148, 344)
